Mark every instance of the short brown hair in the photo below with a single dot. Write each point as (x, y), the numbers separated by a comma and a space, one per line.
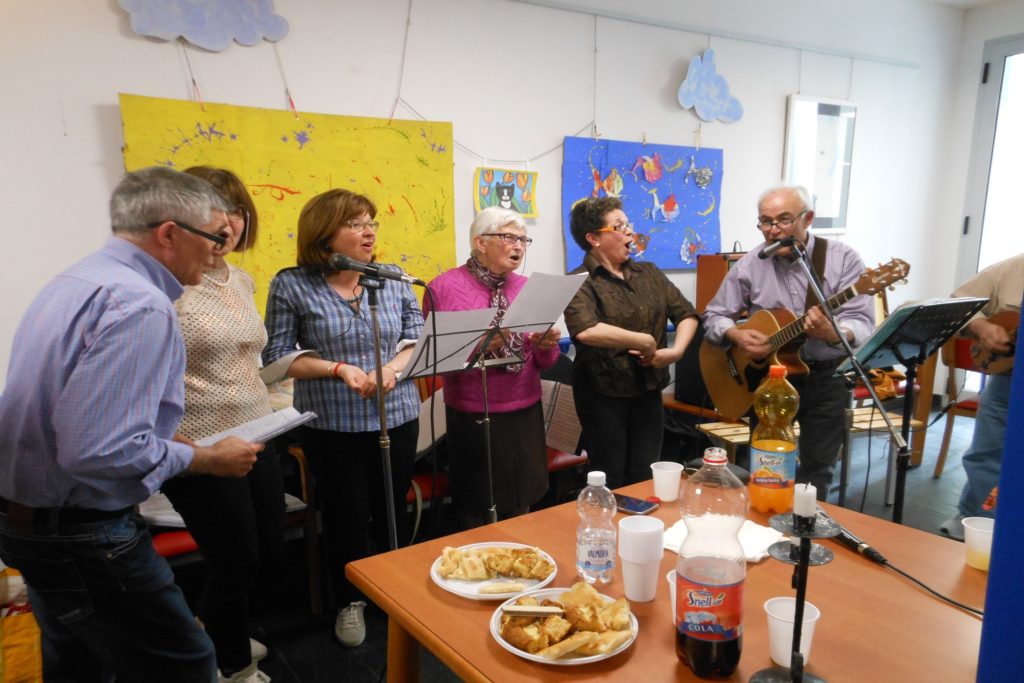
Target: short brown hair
(320, 220)
(233, 190)
(588, 216)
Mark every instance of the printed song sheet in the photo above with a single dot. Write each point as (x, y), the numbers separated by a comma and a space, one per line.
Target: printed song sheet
(263, 428)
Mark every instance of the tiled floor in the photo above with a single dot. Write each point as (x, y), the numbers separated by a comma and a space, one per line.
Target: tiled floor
(303, 648)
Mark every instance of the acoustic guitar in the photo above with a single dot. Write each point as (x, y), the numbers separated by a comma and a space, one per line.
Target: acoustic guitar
(732, 376)
(996, 363)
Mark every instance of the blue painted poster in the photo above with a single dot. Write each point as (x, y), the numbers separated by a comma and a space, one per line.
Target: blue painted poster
(671, 194)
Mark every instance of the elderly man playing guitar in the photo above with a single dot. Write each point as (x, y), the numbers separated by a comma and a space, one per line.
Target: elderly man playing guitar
(734, 357)
(995, 332)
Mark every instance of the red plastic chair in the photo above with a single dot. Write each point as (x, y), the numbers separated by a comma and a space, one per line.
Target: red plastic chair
(956, 355)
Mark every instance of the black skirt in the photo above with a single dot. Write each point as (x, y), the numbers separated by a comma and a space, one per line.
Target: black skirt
(519, 462)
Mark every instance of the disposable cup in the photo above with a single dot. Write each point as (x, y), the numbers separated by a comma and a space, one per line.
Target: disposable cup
(780, 613)
(641, 538)
(640, 579)
(667, 476)
(978, 541)
(671, 578)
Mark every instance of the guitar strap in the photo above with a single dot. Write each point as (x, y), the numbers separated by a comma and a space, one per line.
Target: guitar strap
(818, 263)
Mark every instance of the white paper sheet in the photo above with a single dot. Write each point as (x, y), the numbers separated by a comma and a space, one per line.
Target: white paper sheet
(541, 301)
(263, 428)
(562, 426)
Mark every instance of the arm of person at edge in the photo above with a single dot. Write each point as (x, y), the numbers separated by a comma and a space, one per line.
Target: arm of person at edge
(992, 337)
(229, 457)
(106, 418)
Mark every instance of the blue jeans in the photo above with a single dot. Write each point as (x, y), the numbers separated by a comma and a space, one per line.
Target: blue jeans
(983, 460)
(106, 603)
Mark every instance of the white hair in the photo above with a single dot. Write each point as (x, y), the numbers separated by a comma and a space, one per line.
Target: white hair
(799, 190)
(491, 218)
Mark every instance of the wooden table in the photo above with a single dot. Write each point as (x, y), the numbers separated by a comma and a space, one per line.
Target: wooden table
(875, 625)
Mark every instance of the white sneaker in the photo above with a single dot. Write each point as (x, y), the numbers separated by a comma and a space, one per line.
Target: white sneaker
(249, 674)
(257, 650)
(350, 627)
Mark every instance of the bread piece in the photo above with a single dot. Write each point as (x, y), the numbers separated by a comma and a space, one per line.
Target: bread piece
(606, 642)
(473, 567)
(616, 615)
(528, 638)
(555, 627)
(569, 645)
(501, 587)
(584, 618)
(582, 595)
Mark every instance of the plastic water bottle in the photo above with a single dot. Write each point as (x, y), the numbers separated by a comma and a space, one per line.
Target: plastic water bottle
(595, 535)
(773, 446)
(711, 569)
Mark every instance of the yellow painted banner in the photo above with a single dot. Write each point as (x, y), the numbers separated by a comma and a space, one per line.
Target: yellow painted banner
(285, 160)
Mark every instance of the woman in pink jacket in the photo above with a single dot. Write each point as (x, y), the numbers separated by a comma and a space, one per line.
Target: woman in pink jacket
(518, 455)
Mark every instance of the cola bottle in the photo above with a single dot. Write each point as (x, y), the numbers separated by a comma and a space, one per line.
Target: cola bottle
(711, 569)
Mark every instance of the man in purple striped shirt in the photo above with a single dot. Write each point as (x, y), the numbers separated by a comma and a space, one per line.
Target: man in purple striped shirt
(87, 431)
(755, 284)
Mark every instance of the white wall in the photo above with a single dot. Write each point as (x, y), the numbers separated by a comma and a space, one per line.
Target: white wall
(514, 79)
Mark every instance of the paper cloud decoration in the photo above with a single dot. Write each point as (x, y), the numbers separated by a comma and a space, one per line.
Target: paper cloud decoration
(210, 24)
(707, 92)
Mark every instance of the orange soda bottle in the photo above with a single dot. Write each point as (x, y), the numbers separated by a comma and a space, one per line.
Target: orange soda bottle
(773, 447)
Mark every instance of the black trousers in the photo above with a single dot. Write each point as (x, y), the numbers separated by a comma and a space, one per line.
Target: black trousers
(238, 524)
(350, 487)
(622, 435)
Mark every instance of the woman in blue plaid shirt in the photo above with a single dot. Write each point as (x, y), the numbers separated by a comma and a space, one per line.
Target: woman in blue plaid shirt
(318, 308)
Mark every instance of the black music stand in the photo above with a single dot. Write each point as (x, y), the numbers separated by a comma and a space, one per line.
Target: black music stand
(463, 351)
(908, 337)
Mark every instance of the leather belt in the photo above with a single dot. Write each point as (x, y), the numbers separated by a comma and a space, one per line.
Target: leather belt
(26, 516)
(823, 364)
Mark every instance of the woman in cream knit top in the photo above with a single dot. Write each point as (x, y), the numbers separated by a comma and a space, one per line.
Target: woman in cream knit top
(238, 523)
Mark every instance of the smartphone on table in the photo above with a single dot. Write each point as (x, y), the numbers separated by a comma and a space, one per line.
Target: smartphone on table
(634, 506)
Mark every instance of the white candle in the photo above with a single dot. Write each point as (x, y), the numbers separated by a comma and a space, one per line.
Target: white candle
(805, 500)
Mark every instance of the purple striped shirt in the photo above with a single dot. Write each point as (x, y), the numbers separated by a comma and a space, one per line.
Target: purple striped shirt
(754, 284)
(96, 387)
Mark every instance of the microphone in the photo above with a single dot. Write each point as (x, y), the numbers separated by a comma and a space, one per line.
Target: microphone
(769, 250)
(342, 262)
(854, 543)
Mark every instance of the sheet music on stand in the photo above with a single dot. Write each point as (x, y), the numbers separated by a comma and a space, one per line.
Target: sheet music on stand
(915, 330)
(561, 424)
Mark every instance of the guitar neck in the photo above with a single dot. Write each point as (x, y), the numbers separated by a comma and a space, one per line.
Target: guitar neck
(795, 329)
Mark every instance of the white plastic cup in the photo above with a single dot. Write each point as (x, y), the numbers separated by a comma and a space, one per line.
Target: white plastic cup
(641, 546)
(780, 613)
(671, 578)
(667, 476)
(978, 541)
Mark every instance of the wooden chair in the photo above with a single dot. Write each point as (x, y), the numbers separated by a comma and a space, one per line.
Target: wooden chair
(956, 355)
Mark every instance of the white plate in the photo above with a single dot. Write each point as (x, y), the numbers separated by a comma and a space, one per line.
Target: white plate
(470, 589)
(569, 660)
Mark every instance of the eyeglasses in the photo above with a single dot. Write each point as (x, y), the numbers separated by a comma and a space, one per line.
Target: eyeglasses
(361, 227)
(509, 238)
(765, 224)
(625, 228)
(216, 239)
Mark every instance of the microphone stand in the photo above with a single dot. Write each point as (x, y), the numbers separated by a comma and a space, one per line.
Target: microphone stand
(370, 285)
(904, 452)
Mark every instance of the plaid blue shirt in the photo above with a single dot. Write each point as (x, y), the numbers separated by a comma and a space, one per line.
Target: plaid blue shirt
(95, 389)
(304, 312)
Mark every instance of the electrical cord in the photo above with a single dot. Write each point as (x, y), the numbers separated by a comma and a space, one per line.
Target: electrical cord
(972, 610)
